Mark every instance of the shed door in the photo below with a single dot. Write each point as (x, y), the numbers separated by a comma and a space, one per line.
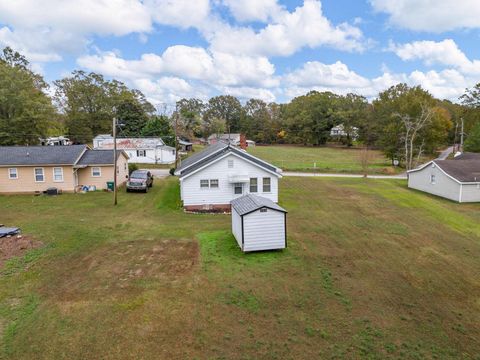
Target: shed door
(264, 229)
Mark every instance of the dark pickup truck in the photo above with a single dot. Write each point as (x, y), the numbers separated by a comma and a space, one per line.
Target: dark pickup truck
(140, 180)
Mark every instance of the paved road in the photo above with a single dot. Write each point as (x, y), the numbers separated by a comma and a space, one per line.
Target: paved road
(303, 174)
(160, 173)
(444, 154)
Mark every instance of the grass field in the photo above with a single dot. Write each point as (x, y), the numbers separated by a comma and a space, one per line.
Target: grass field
(373, 271)
(323, 159)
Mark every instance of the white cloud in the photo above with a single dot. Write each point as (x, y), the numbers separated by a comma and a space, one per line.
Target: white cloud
(431, 15)
(254, 10)
(180, 13)
(47, 29)
(445, 53)
(288, 32)
(338, 78)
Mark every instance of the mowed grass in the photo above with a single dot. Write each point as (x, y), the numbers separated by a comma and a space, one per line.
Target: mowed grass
(323, 159)
(373, 271)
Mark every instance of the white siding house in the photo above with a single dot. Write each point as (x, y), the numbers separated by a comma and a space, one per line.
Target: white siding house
(457, 180)
(211, 179)
(258, 223)
(139, 150)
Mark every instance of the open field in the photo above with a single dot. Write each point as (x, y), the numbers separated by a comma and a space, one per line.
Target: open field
(373, 271)
(326, 159)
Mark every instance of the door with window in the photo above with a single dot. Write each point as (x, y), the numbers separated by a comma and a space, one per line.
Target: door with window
(238, 188)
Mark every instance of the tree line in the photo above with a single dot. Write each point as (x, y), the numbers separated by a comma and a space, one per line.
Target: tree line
(404, 122)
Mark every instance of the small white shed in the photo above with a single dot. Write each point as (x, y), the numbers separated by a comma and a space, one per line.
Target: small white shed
(258, 223)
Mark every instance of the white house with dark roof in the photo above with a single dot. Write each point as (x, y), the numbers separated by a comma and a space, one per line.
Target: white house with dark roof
(212, 178)
(148, 150)
(457, 180)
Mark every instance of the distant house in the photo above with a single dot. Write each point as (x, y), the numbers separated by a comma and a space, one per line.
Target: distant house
(30, 169)
(258, 223)
(457, 180)
(339, 132)
(185, 146)
(139, 150)
(212, 178)
(55, 141)
(233, 139)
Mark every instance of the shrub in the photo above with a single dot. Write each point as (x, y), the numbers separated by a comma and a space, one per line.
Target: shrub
(172, 171)
(132, 168)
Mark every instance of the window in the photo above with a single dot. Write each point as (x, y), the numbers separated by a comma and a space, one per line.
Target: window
(253, 185)
(173, 152)
(214, 183)
(263, 210)
(267, 186)
(203, 184)
(238, 188)
(58, 174)
(96, 172)
(12, 174)
(432, 179)
(230, 164)
(39, 175)
(141, 153)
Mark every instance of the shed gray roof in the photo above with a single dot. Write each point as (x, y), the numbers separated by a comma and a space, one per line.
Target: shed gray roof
(249, 203)
(468, 156)
(98, 157)
(215, 151)
(40, 155)
(463, 171)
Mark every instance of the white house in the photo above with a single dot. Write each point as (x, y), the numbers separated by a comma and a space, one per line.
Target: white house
(212, 178)
(457, 180)
(258, 223)
(139, 150)
(339, 131)
(56, 141)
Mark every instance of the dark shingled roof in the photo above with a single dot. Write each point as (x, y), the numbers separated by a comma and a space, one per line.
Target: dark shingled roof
(463, 171)
(248, 203)
(212, 153)
(468, 156)
(98, 157)
(40, 155)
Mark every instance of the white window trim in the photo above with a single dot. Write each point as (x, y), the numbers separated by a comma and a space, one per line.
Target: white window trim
(263, 186)
(250, 186)
(16, 174)
(35, 174)
(99, 171)
(144, 153)
(204, 187)
(214, 187)
(53, 171)
(241, 186)
(433, 179)
(230, 162)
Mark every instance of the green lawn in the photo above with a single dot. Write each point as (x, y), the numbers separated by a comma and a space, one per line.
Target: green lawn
(373, 271)
(323, 159)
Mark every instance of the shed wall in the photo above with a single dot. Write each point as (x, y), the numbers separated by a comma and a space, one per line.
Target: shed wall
(237, 227)
(264, 230)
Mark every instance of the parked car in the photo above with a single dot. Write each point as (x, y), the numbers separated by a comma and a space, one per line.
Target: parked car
(140, 180)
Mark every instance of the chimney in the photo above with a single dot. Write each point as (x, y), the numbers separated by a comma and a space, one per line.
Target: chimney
(243, 142)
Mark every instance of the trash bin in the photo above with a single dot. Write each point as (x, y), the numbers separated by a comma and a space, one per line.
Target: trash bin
(110, 185)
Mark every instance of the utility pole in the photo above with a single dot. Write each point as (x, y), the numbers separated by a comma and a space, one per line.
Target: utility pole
(176, 137)
(461, 136)
(114, 160)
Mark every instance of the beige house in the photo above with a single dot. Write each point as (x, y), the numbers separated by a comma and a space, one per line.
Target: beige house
(31, 169)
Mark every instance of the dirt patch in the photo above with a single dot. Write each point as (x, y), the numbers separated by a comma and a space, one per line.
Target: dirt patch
(123, 268)
(14, 246)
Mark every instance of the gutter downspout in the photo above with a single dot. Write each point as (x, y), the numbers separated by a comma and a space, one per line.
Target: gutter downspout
(461, 193)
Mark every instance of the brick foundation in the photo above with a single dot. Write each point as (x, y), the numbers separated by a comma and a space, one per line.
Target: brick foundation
(217, 208)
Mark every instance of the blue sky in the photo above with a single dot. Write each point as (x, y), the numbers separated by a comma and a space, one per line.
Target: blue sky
(269, 49)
